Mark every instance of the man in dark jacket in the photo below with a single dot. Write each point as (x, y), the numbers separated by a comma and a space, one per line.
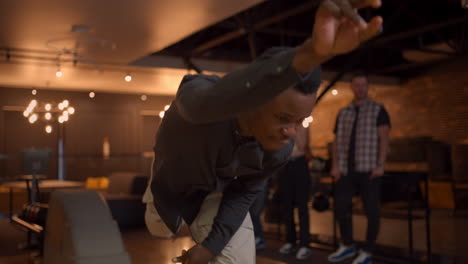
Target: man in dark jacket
(222, 137)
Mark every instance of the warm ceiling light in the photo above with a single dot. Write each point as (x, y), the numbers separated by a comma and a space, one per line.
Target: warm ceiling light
(166, 107)
(34, 92)
(92, 94)
(33, 103)
(309, 119)
(31, 106)
(61, 106)
(65, 103)
(47, 107)
(128, 78)
(161, 114)
(61, 119)
(305, 124)
(48, 129)
(26, 113)
(59, 74)
(334, 92)
(144, 97)
(71, 110)
(33, 118)
(48, 116)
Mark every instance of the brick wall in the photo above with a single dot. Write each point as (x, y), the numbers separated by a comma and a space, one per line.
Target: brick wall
(433, 104)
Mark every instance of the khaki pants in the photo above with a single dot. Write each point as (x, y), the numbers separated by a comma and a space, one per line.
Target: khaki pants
(155, 224)
(239, 250)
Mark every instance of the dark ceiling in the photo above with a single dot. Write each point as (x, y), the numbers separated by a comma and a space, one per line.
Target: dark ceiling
(417, 34)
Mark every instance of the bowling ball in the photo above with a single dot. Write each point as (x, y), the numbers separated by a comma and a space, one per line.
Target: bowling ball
(321, 202)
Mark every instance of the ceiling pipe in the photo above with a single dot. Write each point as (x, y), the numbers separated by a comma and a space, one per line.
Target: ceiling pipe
(190, 65)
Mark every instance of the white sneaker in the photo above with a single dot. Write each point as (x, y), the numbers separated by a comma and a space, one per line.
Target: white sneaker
(287, 248)
(303, 253)
(343, 252)
(363, 258)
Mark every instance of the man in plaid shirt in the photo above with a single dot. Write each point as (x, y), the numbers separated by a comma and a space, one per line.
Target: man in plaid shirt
(359, 152)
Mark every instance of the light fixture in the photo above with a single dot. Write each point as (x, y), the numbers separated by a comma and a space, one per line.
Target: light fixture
(33, 103)
(334, 92)
(71, 110)
(143, 97)
(34, 91)
(166, 107)
(32, 118)
(305, 124)
(30, 108)
(59, 73)
(161, 114)
(310, 119)
(91, 94)
(128, 78)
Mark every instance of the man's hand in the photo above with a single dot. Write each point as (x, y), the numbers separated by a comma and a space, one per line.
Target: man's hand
(338, 29)
(198, 254)
(377, 172)
(335, 173)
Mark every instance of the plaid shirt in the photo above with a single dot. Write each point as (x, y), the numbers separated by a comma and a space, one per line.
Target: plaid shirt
(366, 145)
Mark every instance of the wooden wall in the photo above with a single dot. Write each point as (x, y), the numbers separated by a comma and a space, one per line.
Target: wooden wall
(127, 121)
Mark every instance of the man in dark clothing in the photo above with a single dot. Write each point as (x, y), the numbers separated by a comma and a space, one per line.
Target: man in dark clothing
(222, 137)
(359, 154)
(294, 189)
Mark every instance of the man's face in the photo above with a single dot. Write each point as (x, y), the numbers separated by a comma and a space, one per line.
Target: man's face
(274, 124)
(359, 87)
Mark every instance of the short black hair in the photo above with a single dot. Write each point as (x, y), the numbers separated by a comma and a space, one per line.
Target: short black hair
(311, 81)
(359, 73)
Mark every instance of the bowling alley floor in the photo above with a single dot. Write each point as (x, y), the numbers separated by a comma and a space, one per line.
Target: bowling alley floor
(449, 241)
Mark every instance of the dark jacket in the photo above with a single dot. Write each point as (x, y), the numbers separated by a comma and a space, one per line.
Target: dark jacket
(199, 149)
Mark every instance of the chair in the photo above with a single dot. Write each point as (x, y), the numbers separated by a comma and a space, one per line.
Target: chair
(460, 175)
(124, 197)
(34, 162)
